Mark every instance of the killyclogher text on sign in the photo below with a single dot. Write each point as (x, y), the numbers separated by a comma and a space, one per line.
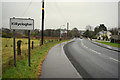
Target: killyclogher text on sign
(21, 23)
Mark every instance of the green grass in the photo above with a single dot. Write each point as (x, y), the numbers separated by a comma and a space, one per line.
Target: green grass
(22, 70)
(110, 44)
(7, 52)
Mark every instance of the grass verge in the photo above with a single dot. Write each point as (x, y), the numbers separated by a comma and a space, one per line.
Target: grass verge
(7, 50)
(110, 44)
(22, 70)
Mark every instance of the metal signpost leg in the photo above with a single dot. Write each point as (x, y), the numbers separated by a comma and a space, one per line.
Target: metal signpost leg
(14, 48)
(29, 47)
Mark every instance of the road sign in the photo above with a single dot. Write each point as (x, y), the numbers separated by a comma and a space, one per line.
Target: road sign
(21, 24)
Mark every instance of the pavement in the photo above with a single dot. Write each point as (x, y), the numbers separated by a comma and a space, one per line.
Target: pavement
(57, 65)
(106, 46)
(91, 60)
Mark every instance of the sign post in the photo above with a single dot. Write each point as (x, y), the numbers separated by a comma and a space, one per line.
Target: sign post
(21, 24)
(14, 49)
(29, 47)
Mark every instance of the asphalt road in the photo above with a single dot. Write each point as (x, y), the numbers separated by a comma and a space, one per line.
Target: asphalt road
(92, 61)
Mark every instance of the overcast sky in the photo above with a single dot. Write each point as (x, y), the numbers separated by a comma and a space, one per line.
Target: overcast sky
(78, 14)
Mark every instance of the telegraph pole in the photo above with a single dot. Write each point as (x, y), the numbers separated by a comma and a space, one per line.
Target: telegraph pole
(67, 28)
(42, 33)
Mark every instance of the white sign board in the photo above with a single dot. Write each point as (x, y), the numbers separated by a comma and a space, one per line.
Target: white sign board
(21, 23)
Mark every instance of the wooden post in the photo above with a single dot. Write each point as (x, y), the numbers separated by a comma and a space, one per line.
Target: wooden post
(42, 33)
(67, 29)
(14, 48)
(29, 47)
(19, 47)
(32, 44)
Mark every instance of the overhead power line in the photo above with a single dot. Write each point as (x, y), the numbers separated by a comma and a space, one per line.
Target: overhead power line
(60, 12)
(27, 8)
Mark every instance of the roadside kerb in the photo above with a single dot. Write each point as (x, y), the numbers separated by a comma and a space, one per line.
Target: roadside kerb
(106, 46)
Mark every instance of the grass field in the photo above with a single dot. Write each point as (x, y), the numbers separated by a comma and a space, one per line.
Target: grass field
(22, 70)
(110, 44)
(7, 50)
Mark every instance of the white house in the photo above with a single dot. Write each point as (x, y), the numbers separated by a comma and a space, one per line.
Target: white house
(104, 33)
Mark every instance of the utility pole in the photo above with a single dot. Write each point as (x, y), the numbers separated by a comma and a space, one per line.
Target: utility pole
(42, 33)
(67, 28)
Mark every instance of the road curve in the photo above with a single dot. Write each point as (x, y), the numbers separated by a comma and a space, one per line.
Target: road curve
(92, 61)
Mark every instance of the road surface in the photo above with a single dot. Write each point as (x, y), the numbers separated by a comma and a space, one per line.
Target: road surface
(92, 61)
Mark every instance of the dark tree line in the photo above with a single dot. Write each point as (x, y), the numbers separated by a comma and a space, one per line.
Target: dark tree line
(7, 33)
(114, 31)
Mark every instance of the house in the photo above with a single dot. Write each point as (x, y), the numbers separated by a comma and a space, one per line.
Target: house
(104, 35)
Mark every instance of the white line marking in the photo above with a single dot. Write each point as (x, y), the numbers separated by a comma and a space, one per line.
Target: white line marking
(98, 52)
(89, 48)
(95, 51)
(114, 59)
(70, 61)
